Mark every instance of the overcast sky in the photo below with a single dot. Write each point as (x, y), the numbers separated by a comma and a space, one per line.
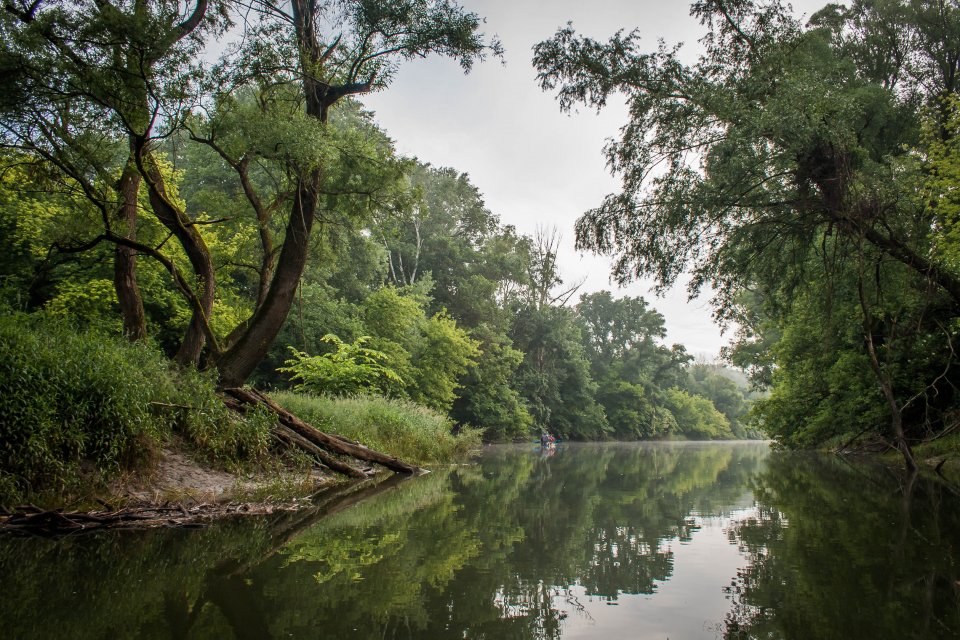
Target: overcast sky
(534, 165)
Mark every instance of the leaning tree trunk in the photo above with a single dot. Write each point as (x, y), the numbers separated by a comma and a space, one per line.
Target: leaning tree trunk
(242, 357)
(177, 222)
(125, 258)
(886, 385)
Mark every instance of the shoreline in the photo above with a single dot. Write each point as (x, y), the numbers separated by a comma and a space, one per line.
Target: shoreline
(175, 490)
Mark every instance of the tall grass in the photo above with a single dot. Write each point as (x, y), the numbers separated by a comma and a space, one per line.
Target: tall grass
(79, 407)
(400, 428)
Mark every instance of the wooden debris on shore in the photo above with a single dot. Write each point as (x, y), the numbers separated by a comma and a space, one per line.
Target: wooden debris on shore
(293, 431)
(55, 523)
(29, 519)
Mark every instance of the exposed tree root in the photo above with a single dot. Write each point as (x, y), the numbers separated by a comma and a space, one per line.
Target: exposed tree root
(293, 431)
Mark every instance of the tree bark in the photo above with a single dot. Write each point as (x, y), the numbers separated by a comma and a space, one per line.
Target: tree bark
(183, 229)
(886, 386)
(248, 344)
(291, 438)
(242, 357)
(832, 179)
(904, 254)
(125, 258)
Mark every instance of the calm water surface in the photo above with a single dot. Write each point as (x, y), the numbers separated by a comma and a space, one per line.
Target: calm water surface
(680, 541)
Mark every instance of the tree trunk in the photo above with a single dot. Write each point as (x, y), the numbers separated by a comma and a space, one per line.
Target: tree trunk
(250, 345)
(176, 221)
(241, 358)
(904, 254)
(886, 386)
(125, 258)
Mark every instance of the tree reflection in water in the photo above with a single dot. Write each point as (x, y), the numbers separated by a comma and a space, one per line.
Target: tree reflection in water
(844, 551)
(518, 546)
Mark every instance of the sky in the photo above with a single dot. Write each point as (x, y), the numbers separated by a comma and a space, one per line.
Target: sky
(534, 165)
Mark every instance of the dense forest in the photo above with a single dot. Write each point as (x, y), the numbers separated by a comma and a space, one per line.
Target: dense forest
(204, 182)
(807, 173)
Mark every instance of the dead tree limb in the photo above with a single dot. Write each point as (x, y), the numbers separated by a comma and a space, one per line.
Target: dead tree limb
(326, 441)
(291, 438)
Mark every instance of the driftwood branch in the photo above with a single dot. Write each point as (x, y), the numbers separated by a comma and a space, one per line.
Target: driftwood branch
(290, 425)
(292, 438)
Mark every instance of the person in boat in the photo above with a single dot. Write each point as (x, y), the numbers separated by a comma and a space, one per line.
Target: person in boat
(545, 439)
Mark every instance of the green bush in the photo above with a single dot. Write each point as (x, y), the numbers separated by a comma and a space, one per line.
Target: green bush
(192, 407)
(400, 428)
(79, 407)
(348, 370)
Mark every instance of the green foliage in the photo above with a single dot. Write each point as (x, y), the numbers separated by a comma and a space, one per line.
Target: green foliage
(429, 353)
(714, 383)
(92, 302)
(401, 428)
(81, 407)
(617, 329)
(940, 139)
(805, 173)
(639, 376)
(488, 398)
(67, 398)
(696, 417)
(444, 354)
(824, 388)
(38, 213)
(555, 375)
(451, 236)
(349, 370)
(629, 412)
(194, 409)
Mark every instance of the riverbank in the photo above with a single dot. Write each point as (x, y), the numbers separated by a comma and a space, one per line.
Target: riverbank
(942, 455)
(177, 489)
(177, 476)
(257, 496)
(86, 417)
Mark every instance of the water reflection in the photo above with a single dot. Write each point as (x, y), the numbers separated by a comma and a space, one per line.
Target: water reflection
(635, 541)
(838, 551)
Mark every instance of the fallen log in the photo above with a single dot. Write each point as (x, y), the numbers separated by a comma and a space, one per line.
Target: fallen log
(312, 435)
(290, 437)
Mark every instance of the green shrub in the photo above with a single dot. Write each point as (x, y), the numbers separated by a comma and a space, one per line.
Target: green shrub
(400, 428)
(348, 370)
(79, 407)
(193, 408)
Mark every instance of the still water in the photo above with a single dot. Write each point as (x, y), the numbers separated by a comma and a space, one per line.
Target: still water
(679, 541)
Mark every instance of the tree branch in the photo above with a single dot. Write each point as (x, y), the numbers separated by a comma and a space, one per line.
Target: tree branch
(186, 27)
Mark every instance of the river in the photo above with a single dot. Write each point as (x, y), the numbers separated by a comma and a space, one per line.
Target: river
(641, 541)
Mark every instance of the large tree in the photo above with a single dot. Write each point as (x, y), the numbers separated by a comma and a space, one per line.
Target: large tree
(122, 73)
(737, 166)
(345, 48)
(87, 87)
